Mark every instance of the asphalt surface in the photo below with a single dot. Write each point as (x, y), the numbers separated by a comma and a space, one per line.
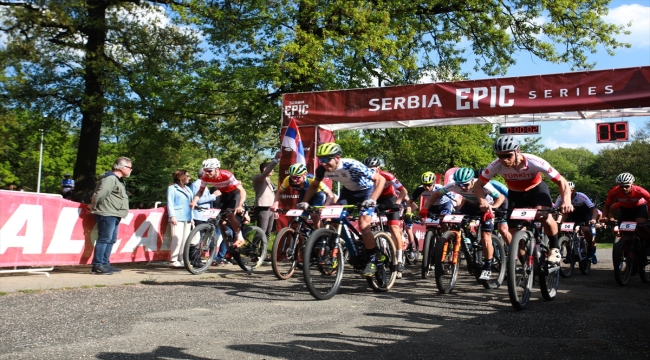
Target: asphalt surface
(230, 315)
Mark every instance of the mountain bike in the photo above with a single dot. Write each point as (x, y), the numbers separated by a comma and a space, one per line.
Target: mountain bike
(459, 238)
(326, 250)
(573, 249)
(527, 258)
(431, 236)
(286, 255)
(410, 251)
(201, 244)
(630, 254)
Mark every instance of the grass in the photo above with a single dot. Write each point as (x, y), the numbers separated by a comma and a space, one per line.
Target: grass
(86, 286)
(2, 293)
(149, 281)
(604, 245)
(129, 283)
(29, 291)
(100, 285)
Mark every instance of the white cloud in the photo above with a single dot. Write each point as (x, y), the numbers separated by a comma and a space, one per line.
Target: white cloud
(639, 15)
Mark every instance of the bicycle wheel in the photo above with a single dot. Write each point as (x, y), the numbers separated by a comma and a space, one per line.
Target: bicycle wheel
(446, 268)
(585, 263)
(428, 249)
(198, 256)
(412, 251)
(386, 273)
(252, 253)
(622, 260)
(567, 264)
(520, 269)
(498, 264)
(287, 251)
(549, 282)
(323, 264)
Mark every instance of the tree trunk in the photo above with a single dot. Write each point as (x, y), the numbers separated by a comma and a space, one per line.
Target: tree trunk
(93, 103)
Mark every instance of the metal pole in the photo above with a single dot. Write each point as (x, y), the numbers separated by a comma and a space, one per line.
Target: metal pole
(40, 164)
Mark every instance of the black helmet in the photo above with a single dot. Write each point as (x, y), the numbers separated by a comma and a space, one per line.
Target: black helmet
(505, 144)
(371, 161)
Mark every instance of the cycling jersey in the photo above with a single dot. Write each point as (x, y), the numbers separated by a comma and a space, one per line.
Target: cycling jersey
(500, 187)
(225, 182)
(580, 200)
(392, 185)
(637, 197)
(526, 178)
(468, 193)
(301, 188)
(351, 174)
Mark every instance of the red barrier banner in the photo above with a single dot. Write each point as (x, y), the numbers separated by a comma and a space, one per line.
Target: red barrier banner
(43, 230)
(475, 101)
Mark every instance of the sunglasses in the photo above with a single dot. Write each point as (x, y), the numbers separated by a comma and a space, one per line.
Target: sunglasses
(295, 178)
(208, 170)
(464, 184)
(505, 156)
(324, 160)
(127, 167)
(626, 186)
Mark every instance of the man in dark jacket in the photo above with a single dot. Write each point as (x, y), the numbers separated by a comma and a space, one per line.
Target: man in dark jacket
(110, 203)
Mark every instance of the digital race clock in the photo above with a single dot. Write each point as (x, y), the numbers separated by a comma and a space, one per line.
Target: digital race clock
(519, 130)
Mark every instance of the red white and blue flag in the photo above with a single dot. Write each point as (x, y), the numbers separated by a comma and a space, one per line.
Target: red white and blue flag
(292, 141)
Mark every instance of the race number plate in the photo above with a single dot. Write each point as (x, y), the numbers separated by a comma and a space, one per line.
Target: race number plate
(211, 213)
(523, 214)
(374, 218)
(627, 226)
(294, 212)
(330, 212)
(432, 222)
(453, 218)
(567, 226)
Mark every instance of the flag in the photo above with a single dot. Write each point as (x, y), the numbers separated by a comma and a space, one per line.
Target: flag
(292, 141)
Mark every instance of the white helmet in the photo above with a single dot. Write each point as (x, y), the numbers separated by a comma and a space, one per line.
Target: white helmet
(571, 185)
(211, 163)
(625, 178)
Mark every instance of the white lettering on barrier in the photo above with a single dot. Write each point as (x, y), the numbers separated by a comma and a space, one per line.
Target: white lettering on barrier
(62, 242)
(148, 227)
(29, 217)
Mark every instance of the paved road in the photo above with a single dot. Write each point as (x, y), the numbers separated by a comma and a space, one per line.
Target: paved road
(236, 316)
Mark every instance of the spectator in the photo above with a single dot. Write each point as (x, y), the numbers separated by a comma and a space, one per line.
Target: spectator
(20, 188)
(11, 187)
(109, 204)
(205, 202)
(179, 197)
(265, 195)
(67, 186)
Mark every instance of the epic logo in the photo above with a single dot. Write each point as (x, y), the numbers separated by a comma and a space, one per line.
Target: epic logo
(296, 110)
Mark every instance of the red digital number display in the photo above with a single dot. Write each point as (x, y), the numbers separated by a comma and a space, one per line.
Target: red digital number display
(612, 132)
(519, 130)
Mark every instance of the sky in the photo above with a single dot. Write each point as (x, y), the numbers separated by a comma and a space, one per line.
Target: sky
(582, 133)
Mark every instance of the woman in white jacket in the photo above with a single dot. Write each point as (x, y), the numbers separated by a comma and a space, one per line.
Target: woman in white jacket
(179, 196)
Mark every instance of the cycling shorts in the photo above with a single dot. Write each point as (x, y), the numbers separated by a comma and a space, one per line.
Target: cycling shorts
(389, 203)
(537, 196)
(631, 214)
(473, 210)
(442, 209)
(354, 197)
(229, 200)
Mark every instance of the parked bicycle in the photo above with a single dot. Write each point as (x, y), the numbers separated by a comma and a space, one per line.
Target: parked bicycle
(527, 258)
(326, 251)
(573, 249)
(459, 237)
(286, 255)
(630, 254)
(202, 243)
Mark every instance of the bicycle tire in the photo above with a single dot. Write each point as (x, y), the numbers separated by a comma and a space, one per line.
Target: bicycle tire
(585, 263)
(428, 249)
(204, 250)
(252, 254)
(284, 257)
(567, 263)
(498, 264)
(622, 261)
(549, 280)
(384, 278)
(520, 278)
(446, 271)
(322, 275)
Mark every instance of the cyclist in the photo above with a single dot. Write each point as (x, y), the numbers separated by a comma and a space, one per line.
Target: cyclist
(360, 185)
(232, 197)
(464, 184)
(583, 211)
(502, 226)
(632, 200)
(443, 205)
(299, 180)
(523, 175)
(390, 200)
(409, 206)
